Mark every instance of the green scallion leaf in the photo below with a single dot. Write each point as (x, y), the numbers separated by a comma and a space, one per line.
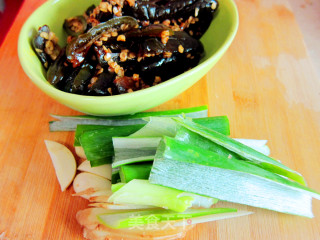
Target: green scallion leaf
(193, 169)
(135, 171)
(129, 150)
(97, 144)
(244, 151)
(69, 123)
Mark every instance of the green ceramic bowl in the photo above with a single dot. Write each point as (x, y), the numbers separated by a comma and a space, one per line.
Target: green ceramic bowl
(216, 41)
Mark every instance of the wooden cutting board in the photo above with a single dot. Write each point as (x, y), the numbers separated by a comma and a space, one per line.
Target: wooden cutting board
(265, 84)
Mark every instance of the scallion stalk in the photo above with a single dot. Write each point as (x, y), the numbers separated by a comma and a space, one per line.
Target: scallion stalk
(97, 144)
(133, 219)
(165, 126)
(116, 186)
(135, 171)
(129, 150)
(244, 151)
(142, 192)
(193, 169)
(69, 123)
(218, 123)
(115, 176)
(190, 137)
(86, 128)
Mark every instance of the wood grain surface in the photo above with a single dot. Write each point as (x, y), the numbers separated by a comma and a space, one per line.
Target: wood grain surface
(265, 84)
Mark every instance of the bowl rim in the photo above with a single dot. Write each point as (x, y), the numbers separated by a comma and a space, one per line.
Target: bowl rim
(51, 90)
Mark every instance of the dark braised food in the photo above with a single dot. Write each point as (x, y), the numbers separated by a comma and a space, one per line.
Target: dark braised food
(123, 46)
